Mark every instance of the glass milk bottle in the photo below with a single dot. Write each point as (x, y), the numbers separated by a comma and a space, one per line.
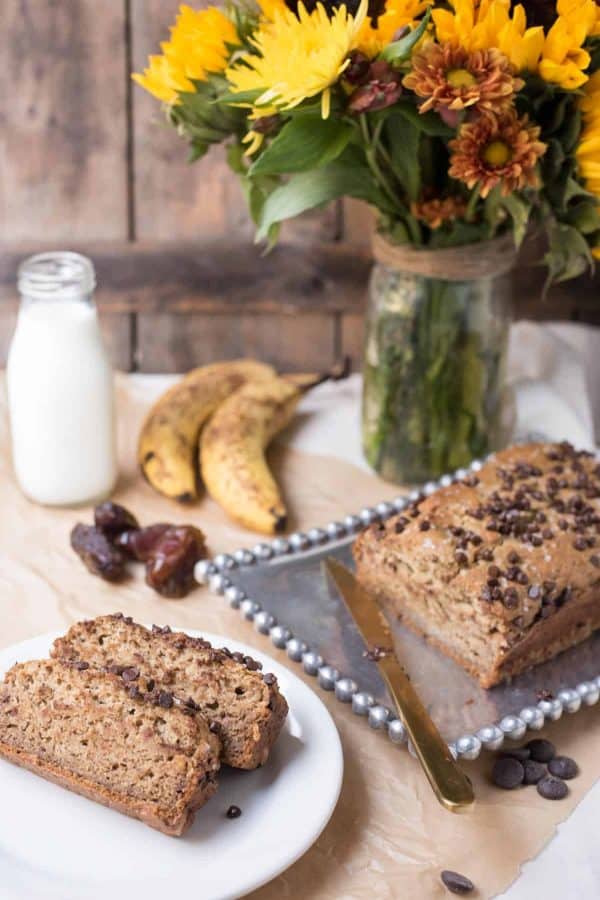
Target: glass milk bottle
(60, 385)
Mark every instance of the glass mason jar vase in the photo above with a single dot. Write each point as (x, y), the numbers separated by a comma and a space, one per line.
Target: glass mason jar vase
(434, 395)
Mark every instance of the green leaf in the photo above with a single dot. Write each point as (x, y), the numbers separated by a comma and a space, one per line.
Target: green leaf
(198, 149)
(235, 159)
(430, 122)
(402, 138)
(457, 234)
(569, 254)
(245, 97)
(306, 190)
(518, 209)
(400, 50)
(585, 216)
(303, 143)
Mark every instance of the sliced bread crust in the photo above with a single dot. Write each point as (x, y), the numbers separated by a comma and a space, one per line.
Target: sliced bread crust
(110, 741)
(229, 688)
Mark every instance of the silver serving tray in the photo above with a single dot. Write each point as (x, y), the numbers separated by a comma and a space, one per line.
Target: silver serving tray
(281, 587)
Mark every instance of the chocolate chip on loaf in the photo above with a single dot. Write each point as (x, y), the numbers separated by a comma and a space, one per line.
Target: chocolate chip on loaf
(513, 554)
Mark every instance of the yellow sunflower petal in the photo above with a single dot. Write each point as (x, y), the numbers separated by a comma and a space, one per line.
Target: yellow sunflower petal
(297, 56)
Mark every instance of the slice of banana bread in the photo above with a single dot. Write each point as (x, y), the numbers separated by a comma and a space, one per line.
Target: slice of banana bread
(501, 570)
(245, 705)
(110, 739)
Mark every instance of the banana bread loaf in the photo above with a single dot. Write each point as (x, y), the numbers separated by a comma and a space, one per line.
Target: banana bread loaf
(109, 738)
(229, 688)
(500, 571)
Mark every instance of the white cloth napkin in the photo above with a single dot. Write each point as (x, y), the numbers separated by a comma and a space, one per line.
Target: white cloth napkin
(552, 368)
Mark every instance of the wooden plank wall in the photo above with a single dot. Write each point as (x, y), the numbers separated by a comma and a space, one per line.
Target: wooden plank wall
(86, 162)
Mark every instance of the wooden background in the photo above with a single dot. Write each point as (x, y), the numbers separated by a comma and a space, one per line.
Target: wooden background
(86, 163)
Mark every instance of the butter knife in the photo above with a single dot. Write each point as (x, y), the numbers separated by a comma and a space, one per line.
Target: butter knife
(451, 786)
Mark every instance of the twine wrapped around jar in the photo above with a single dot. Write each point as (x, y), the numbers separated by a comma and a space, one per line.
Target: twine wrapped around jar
(468, 262)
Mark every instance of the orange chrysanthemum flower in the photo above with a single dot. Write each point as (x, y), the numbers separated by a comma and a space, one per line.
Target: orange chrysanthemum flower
(437, 211)
(449, 76)
(497, 150)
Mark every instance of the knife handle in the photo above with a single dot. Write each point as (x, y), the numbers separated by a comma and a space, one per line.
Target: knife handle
(451, 786)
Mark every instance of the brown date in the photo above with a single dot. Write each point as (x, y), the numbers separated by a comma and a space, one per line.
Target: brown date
(97, 553)
(138, 543)
(170, 566)
(112, 519)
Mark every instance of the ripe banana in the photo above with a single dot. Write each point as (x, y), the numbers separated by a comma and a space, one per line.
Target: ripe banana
(168, 442)
(232, 452)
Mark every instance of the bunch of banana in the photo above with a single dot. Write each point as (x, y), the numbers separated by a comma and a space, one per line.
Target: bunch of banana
(232, 452)
(168, 442)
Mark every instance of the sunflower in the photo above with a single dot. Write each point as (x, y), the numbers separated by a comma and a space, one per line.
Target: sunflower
(452, 77)
(491, 151)
(588, 149)
(163, 79)
(558, 56)
(488, 24)
(297, 57)
(439, 210)
(200, 43)
(564, 60)
(397, 14)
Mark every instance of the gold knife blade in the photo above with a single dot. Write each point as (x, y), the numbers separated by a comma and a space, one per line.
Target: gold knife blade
(450, 784)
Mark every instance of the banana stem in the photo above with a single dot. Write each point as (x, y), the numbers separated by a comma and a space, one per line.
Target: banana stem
(305, 381)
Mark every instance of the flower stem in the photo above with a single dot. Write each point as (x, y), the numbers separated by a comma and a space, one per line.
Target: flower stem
(470, 210)
(371, 157)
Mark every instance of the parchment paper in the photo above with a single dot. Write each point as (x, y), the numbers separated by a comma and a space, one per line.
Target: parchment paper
(388, 837)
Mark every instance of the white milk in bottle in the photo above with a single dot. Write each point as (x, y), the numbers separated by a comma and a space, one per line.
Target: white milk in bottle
(60, 385)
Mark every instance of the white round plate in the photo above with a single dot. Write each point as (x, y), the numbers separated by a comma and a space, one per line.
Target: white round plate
(56, 845)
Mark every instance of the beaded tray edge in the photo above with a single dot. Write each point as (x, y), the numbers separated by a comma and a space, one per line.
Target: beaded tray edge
(215, 573)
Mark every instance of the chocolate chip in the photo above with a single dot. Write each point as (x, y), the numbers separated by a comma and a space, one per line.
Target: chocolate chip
(165, 699)
(494, 572)
(551, 788)
(563, 524)
(547, 534)
(234, 812)
(508, 773)
(563, 767)
(134, 692)
(191, 704)
(537, 540)
(457, 883)
(214, 727)
(81, 665)
(541, 750)
(150, 684)
(485, 553)
(511, 598)
(544, 694)
(252, 664)
(461, 557)
(424, 525)
(580, 543)
(130, 674)
(520, 753)
(513, 558)
(269, 678)
(534, 771)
